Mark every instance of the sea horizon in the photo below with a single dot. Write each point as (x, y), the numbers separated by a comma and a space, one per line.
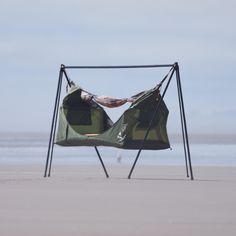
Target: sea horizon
(206, 150)
(195, 138)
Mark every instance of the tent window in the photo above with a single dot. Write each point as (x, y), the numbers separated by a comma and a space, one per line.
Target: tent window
(78, 116)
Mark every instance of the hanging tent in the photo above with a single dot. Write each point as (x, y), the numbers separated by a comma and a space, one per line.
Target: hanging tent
(84, 122)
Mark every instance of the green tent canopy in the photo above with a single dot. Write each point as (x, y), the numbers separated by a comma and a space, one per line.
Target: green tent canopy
(83, 122)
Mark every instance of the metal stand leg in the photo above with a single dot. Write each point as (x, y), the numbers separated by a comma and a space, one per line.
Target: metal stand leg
(54, 131)
(53, 126)
(150, 124)
(99, 156)
(184, 124)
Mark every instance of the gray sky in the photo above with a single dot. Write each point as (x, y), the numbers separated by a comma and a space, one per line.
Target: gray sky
(37, 36)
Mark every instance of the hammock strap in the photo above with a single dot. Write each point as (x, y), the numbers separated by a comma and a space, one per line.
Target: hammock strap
(163, 80)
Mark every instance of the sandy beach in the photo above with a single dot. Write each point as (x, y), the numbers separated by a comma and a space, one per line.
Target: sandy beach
(79, 200)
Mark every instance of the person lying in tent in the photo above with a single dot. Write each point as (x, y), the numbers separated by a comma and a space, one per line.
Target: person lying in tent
(105, 100)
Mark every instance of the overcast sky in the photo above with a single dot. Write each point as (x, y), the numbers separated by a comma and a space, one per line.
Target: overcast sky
(38, 36)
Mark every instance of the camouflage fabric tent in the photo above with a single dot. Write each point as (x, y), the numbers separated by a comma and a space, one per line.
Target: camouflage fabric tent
(85, 123)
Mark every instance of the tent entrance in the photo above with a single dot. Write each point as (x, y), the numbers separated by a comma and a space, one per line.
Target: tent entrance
(84, 122)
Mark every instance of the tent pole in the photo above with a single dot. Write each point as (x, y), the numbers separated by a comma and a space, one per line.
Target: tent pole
(99, 156)
(184, 122)
(54, 131)
(53, 124)
(150, 124)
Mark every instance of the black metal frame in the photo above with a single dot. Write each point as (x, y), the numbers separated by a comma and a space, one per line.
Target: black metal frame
(174, 70)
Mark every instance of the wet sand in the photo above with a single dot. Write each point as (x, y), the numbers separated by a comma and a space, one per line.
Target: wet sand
(79, 200)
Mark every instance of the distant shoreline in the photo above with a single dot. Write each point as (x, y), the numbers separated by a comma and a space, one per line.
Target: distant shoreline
(174, 138)
(206, 138)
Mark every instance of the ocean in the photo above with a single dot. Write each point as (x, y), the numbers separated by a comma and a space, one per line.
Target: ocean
(31, 148)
